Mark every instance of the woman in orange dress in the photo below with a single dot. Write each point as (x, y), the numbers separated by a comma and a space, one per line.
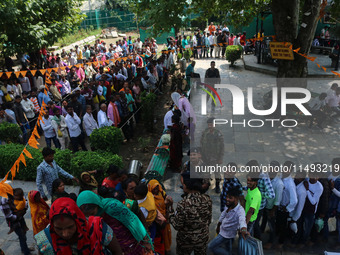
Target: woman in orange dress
(161, 201)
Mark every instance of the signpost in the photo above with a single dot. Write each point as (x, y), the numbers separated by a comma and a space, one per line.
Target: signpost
(281, 50)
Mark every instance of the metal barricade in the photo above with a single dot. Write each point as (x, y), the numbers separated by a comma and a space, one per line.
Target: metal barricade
(250, 246)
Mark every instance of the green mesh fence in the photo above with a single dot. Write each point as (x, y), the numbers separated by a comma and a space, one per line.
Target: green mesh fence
(145, 33)
(122, 20)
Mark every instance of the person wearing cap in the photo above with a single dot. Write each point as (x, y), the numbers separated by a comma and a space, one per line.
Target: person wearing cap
(212, 148)
(191, 218)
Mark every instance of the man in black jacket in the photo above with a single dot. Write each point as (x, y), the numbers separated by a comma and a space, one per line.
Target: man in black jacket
(212, 77)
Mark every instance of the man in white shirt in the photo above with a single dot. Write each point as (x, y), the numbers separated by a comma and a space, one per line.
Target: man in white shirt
(211, 39)
(316, 105)
(28, 107)
(232, 219)
(103, 120)
(89, 122)
(138, 45)
(60, 128)
(49, 133)
(73, 121)
(225, 28)
(288, 202)
(167, 119)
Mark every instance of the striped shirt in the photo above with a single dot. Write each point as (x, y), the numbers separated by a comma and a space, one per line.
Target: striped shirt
(34, 100)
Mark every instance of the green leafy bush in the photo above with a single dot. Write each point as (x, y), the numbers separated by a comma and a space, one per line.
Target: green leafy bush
(106, 139)
(9, 153)
(179, 56)
(233, 53)
(187, 54)
(74, 164)
(148, 110)
(9, 132)
(93, 160)
(63, 158)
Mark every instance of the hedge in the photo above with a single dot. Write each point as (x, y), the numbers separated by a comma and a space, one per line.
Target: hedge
(233, 53)
(106, 139)
(9, 132)
(74, 164)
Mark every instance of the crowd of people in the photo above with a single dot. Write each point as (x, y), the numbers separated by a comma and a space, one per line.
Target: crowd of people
(84, 94)
(124, 215)
(212, 42)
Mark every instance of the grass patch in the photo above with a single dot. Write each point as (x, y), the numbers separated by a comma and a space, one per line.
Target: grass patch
(77, 36)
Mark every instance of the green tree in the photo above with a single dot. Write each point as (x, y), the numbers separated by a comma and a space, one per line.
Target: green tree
(27, 26)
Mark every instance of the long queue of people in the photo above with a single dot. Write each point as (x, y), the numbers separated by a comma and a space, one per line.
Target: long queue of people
(82, 98)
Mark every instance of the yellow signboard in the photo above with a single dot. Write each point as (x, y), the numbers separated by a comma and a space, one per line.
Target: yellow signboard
(281, 50)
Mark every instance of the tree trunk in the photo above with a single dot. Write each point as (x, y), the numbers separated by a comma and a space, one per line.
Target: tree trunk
(289, 28)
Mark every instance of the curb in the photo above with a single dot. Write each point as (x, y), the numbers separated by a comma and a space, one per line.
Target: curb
(274, 73)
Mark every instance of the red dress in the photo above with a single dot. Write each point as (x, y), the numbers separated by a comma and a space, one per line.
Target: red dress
(109, 183)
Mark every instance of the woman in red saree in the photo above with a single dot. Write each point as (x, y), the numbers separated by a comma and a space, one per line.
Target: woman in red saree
(39, 211)
(70, 233)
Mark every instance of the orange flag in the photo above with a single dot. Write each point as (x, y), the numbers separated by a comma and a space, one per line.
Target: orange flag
(318, 65)
(27, 153)
(324, 68)
(311, 58)
(17, 74)
(49, 70)
(33, 142)
(63, 67)
(35, 132)
(23, 73)
(33, 72)
(5, 189)
(22, 159)
(296, 50)
(55, 69)
(106, 61)
(43, 71)
(14, 169)
(1, 74)
(336, 73)
(8, 74)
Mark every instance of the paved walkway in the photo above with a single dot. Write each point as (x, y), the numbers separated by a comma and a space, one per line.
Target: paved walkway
(250, 63)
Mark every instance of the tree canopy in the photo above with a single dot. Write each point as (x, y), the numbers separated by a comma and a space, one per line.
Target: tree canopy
(27, 26)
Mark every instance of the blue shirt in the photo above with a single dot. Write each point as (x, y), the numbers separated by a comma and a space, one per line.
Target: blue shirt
(47, 174)
(43, 97)
(81, 99)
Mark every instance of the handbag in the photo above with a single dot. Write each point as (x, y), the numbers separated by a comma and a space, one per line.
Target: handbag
(160, 219)
(60, 134)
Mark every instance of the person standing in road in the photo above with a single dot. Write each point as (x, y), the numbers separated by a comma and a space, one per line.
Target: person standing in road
(48, 171)
(212, 148)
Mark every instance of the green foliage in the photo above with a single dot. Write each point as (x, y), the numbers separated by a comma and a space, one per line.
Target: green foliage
(9, 153)
(74, 164)
(187, 54)
(29, 25)
(9, 132)
(107, 139)
(63, 157)
(233, 53)
(148, 110)
(92, 160)
(179, 55)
